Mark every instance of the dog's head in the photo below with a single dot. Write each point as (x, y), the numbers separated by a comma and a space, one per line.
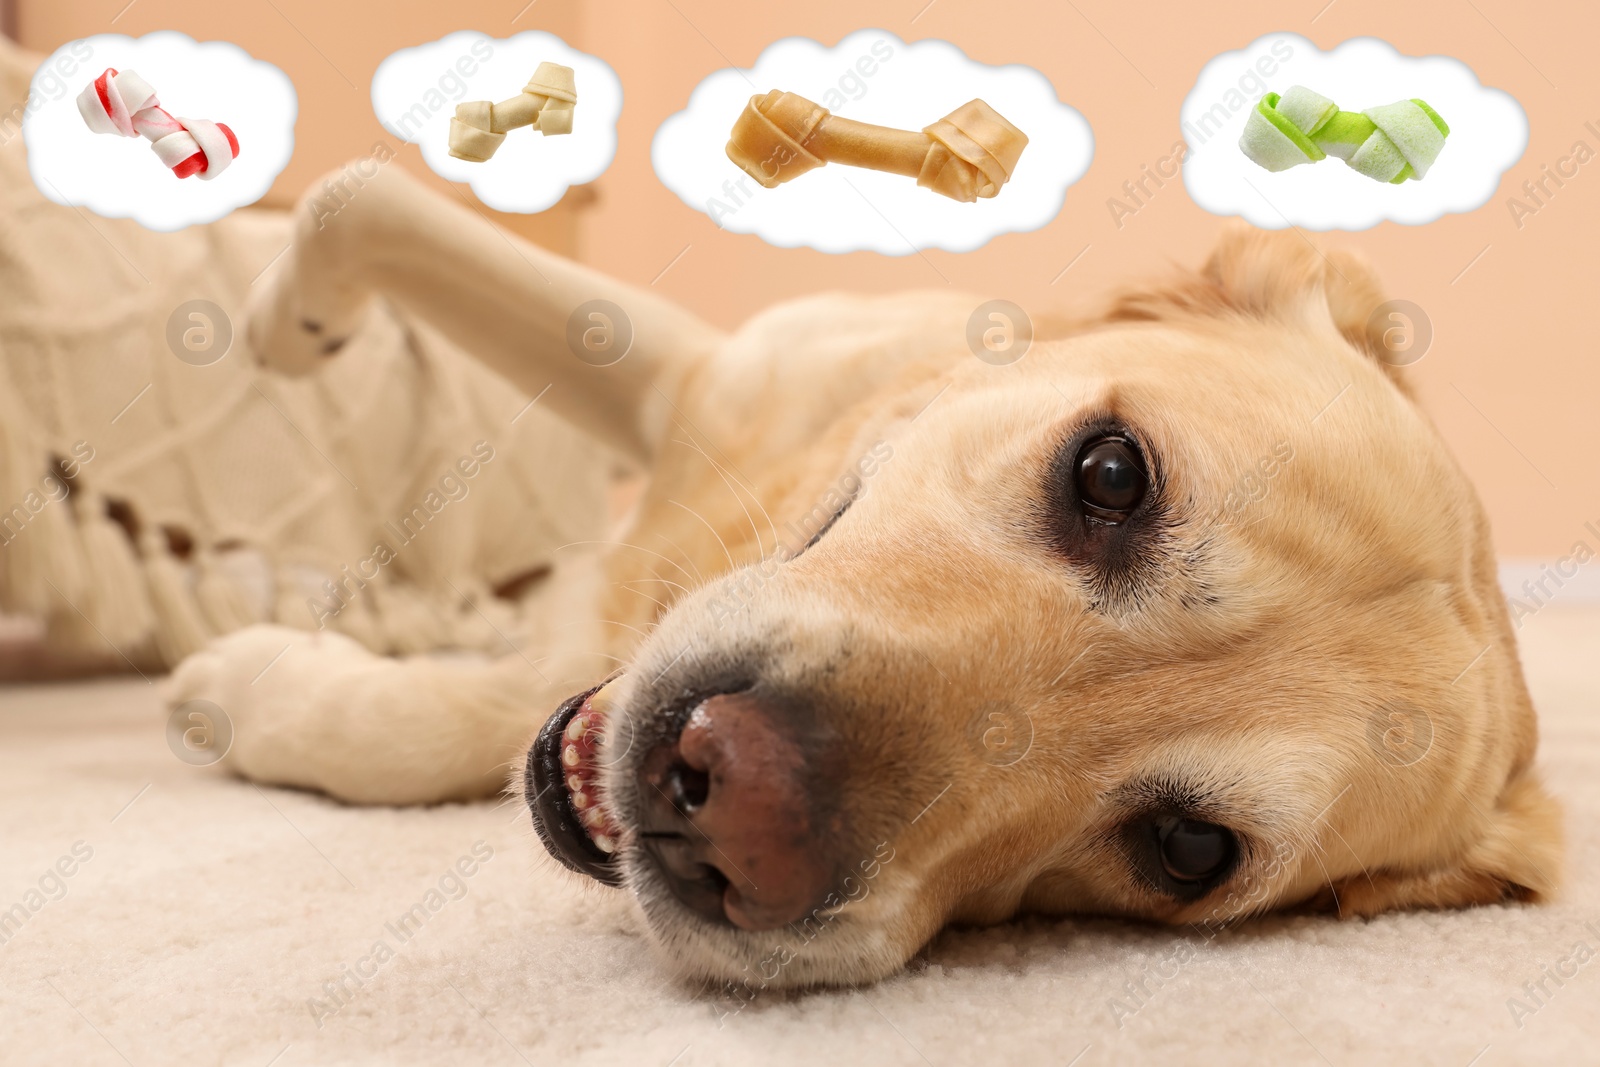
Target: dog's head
(1185, 616)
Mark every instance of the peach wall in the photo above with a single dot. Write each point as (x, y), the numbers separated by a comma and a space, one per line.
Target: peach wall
(1511, 378)
(330, 48)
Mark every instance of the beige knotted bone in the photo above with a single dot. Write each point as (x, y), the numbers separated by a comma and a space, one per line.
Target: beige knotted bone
(970, 153)
(546, 102)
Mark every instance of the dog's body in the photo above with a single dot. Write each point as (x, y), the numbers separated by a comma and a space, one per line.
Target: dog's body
(891, 652)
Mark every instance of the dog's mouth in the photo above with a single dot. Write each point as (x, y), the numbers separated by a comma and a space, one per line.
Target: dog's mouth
(563, 791)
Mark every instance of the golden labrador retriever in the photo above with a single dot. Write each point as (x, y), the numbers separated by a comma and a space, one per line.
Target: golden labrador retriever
(1185, 615)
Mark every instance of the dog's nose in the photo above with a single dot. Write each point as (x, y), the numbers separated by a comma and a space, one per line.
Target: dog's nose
(728, 817)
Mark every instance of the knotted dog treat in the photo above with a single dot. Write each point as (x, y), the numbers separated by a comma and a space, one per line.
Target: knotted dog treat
(546, 102)
(1277, 135)
(1391, 143)
(968, 154)
(125, 104)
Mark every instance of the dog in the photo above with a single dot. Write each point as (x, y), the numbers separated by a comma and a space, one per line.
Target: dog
(1186, 615)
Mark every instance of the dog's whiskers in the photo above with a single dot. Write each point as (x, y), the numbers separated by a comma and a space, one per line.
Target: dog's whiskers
(698, 577)
(664, 581)
(1316, 851)
(625, 626)
(636, 548)
(760, 546)
(1354, 855)
(639, 592)
(732, 566)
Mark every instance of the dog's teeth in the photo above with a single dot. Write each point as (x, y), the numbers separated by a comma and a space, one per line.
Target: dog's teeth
(604, 843)
(569, 755)
(576, 727)
(593, 818)
(581, 800)
(574, 784)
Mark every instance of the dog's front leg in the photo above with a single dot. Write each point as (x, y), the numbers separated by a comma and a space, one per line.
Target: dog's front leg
(319, 711)
(523, 311)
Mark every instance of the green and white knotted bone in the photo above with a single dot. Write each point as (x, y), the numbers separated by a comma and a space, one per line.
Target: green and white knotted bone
(1391, 143)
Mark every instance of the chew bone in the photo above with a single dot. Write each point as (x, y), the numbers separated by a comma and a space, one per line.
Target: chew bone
(1392, 143)
(125, 104)
(968, 154)
(546, 102)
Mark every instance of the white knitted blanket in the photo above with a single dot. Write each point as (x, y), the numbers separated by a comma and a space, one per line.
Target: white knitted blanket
(151, 498)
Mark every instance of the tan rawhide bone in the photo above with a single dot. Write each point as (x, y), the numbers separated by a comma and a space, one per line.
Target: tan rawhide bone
(968, 154)
(546, 101)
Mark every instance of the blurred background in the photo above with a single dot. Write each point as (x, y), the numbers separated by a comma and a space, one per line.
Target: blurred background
(1510, 378)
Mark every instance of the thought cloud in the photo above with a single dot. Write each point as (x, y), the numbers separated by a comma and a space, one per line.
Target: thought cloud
(415, 92)
(872, 76)
(120, 176)
(1488, 134)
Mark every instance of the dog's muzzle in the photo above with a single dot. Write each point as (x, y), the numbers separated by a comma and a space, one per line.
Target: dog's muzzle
(562, 790)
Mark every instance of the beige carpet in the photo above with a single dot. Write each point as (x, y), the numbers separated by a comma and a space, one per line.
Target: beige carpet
(208, 915)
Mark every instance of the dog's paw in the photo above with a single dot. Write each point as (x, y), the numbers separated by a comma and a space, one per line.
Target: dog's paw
(308, 305)
(319, 711)
(268, 683)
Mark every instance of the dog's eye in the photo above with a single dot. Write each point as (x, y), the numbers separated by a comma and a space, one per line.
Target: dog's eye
(1110, 477)
(1193, 852)
(1179, 856)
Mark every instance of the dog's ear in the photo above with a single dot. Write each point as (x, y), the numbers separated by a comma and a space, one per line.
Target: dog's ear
(1273, 275)
(1517, 858)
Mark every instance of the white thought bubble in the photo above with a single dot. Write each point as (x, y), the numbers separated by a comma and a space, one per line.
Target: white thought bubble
(1488, 134)
(873, 76)
(415, 92)
(120, 177)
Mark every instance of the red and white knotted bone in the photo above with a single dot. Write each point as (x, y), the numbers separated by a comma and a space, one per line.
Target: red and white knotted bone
(126, 105)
